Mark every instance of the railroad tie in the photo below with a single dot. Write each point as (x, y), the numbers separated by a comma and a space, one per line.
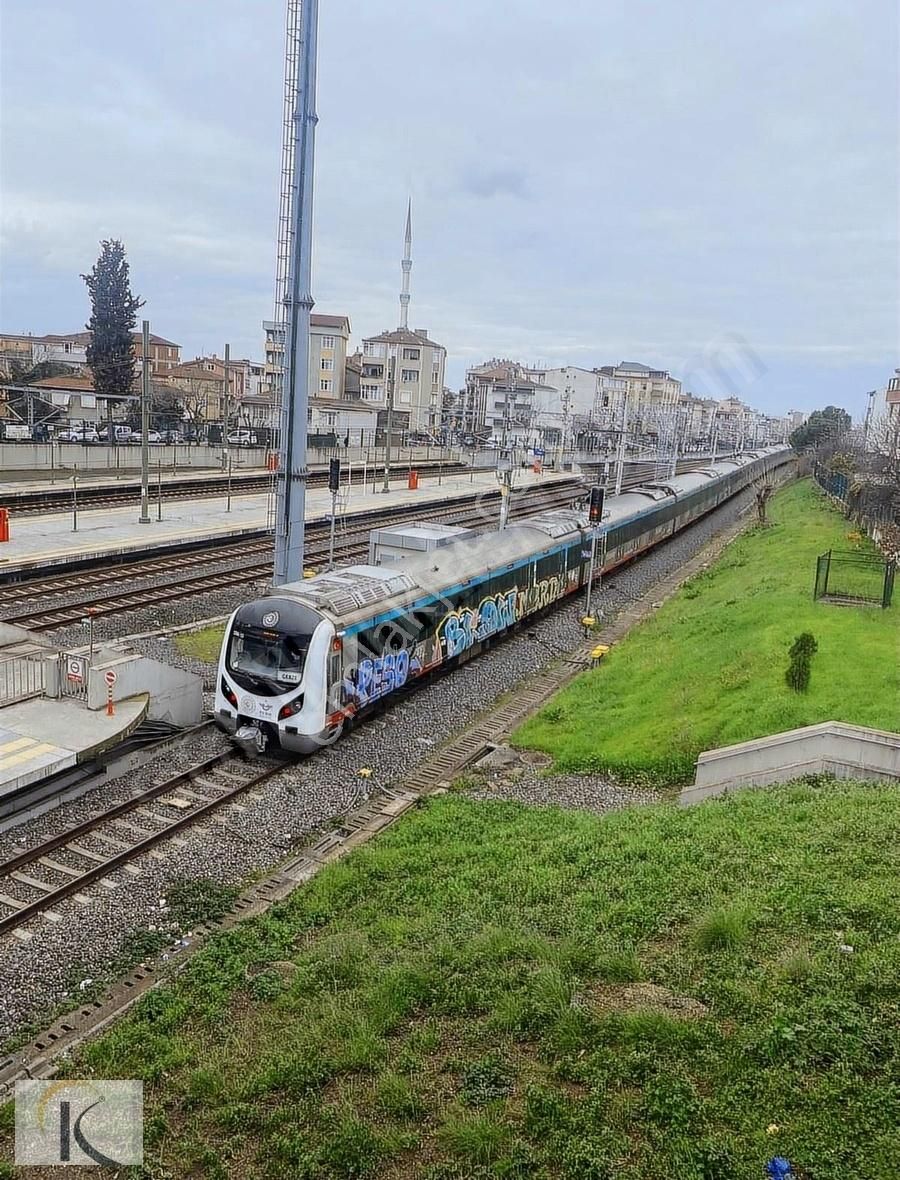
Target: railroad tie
(32, 882)
(58, 868)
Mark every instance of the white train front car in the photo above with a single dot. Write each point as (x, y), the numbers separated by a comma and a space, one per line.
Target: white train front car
(273, 681)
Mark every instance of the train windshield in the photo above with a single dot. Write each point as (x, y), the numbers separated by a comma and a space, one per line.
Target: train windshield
(266, 661)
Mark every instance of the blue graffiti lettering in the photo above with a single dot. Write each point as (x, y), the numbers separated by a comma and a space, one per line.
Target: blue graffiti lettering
(459, 630)
(377, 677)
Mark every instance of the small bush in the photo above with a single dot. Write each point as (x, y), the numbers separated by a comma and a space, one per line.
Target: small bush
(475, 1138)
(722, 929)
(352, 1150)
(396, 1097)
(192, 901)
(801, 652)
(485, 1080)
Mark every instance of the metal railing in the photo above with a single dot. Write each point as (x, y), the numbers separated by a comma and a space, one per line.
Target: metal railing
(20, 680)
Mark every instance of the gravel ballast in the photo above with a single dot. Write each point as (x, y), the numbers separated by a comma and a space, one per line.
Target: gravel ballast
(38, 973)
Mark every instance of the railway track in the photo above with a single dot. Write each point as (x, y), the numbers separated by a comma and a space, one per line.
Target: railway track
(349, 545)
(89, 497)
(70, 862)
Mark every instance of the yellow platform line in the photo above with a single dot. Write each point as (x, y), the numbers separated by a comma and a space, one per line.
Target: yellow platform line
(27, 755)
(15, 744)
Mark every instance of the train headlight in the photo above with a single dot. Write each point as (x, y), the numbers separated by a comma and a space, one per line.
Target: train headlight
(290, 708)
(228, 694)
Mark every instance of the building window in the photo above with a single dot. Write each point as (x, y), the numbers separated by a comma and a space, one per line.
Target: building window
(328, 342)
(409, 375)
(370, 393)
(327, 363)
(410, 354)
(370, 348)
(329, 419)
(325, 385)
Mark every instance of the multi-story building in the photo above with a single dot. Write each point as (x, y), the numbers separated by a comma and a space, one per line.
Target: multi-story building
(645, 386)
(415, 364)
(500, 401)
(328, 339)
(201, 389)
(883, 413)
(71, 350)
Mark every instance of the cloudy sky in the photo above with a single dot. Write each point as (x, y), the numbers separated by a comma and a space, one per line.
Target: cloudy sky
(707, 187)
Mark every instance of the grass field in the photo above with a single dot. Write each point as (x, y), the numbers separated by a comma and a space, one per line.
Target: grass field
(201, 645)
(708, 668)
(495, 991)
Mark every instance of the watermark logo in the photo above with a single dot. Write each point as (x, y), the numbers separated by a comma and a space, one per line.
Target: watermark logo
(80, 1122)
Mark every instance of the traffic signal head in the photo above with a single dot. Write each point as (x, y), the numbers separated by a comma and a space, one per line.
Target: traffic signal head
(334, 475)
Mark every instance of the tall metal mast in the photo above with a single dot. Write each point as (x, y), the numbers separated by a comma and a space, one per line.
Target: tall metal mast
(300, 77)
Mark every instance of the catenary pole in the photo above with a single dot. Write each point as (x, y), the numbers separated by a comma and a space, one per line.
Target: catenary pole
(291, 476)
(145, 425)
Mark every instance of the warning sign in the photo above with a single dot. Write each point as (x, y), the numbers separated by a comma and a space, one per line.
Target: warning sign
(75, 669)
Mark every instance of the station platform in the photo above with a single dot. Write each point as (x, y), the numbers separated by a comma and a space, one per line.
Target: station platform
(39, 737)
(49, 541)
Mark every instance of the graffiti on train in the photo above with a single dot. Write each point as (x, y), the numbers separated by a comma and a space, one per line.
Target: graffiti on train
(461, 628)
(381, 675)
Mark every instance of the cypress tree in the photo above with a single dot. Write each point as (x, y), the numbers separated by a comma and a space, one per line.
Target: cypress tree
(110, 354)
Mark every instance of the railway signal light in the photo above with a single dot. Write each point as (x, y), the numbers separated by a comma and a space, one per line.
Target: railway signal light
(334, 475)
(595, 511)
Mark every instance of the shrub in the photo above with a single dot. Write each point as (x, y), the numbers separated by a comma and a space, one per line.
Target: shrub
(485, 1080)
(722, 929)
(200, 900)
(801, 652)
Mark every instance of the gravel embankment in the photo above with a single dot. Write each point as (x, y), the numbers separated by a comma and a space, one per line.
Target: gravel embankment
(307, 795)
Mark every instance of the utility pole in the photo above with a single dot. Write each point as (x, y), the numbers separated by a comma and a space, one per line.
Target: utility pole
(504, 461)
(386, 486)
(226, 411)
(145, 425)
(291, 475)
(620, 457)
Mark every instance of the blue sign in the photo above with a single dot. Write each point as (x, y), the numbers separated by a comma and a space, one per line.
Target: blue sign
(538, 452)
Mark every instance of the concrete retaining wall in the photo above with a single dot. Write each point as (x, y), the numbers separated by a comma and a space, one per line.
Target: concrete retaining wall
(846, 751)
(175, 696)
(41, 458)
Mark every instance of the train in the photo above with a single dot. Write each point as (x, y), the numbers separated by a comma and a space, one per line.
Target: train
(302, 664)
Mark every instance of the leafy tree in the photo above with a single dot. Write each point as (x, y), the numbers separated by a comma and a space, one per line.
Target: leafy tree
(110, 354)
(819, 427)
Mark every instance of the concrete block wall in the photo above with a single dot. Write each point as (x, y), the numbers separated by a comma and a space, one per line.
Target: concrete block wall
(175, 695)
(834, 747)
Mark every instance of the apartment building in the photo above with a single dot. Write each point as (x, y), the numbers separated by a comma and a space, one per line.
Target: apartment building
(500, 398)
(329, 336)
(416, 363)
(71, 350)
(644, 385)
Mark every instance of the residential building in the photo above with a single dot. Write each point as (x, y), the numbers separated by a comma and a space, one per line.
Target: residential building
(329, 336)
(883, 411)
(645, 386)
(201, 386)
(417, 364)
(349, 420)
(71, 349)
(500, 401)
(164, 354)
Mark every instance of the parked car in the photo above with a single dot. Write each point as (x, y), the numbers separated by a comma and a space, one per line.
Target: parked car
(172, 437)
(241, 438)
(121, 434)
(16, 432)
(78, 434)
(153, 436)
